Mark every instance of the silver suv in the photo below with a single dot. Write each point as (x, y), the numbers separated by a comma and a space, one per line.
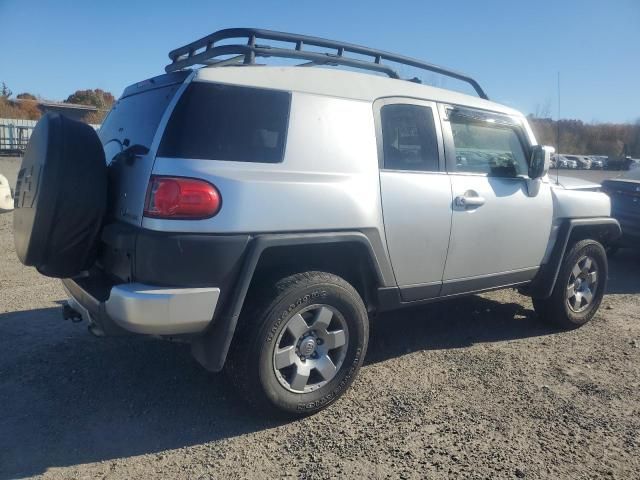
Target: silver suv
(266, 213)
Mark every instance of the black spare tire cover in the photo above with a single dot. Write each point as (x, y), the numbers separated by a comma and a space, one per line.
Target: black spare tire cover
(60, 197)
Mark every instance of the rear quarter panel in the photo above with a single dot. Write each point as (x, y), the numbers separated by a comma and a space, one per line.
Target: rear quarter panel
(327, 181)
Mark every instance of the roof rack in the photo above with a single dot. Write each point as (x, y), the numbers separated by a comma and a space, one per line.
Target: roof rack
(204, 52)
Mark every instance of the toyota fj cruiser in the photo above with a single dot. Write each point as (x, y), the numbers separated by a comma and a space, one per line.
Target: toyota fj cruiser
(265, 213)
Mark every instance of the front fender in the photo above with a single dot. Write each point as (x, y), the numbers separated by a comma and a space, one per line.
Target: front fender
(603, 229)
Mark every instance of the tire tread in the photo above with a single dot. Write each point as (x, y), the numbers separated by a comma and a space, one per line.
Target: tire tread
(257, 311)
(553, 309)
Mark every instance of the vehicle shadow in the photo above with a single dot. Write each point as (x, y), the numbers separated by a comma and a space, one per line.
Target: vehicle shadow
(624, 272)
(69, 398)
(451, 324)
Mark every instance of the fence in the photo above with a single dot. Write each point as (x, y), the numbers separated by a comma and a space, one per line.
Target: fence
(15, 134)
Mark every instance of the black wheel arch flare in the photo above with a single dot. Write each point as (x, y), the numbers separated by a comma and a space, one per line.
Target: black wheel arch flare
(602, 229)
(211, 348)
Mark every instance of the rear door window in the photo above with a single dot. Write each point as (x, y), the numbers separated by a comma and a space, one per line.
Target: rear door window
(409, 138)
(224, 122)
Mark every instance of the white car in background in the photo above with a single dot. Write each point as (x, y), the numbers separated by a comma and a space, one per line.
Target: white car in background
(564, 162)
(597, 163)
(581, 161)
(6, 196)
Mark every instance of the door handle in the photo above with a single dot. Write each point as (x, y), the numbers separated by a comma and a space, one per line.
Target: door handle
(469, 200)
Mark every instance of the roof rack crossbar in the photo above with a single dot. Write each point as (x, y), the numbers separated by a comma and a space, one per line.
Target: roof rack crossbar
(204, 50)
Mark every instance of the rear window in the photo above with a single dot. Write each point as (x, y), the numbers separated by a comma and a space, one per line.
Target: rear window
(135, 118)
(223, 122)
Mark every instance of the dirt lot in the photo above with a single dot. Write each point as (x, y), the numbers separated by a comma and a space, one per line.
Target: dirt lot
(475, 388)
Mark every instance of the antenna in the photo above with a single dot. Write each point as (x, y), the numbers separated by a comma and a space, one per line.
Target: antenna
(558, 139)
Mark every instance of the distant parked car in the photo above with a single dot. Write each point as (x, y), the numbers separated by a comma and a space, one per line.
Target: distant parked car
(581, 161)
(585, 162)
(597, 163)
(625, 206)
(619, 163)
(602, 159)
(564, 162)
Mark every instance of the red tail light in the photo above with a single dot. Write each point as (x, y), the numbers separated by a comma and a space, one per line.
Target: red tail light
(181, 198)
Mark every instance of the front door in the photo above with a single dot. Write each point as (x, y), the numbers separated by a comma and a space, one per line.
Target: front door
(500, 224)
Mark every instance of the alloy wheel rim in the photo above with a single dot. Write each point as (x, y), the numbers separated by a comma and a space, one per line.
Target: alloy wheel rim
(310, 348)
(582, 285)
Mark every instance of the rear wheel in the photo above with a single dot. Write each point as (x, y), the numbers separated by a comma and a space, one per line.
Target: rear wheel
(579, 288)
(300, 345)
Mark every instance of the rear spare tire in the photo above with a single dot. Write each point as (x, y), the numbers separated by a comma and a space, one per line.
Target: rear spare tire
(60, 197)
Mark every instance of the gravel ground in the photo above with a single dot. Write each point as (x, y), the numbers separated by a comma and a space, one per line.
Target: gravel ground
(474, 388)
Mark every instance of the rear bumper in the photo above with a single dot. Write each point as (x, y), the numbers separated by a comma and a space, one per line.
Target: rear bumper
(160, 283)
(138, 308)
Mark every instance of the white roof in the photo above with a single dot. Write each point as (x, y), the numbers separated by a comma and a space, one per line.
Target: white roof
(340, 83)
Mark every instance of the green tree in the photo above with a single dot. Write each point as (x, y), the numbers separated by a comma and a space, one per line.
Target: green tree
(26, 96)
(582, 138)
(98, 98)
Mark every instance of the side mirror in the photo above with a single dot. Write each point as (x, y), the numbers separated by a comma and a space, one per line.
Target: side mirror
(540, 161)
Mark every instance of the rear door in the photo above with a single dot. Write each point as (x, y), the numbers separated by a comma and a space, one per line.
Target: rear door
(135, 120)
(416, 194)
(501, 222)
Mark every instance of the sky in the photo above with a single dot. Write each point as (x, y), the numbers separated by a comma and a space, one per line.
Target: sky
(514, 49)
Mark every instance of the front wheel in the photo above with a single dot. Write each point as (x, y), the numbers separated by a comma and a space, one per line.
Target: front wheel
(301, 344)
(579, 288)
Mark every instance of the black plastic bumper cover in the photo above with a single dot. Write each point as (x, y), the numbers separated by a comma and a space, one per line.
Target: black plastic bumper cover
(168, 259)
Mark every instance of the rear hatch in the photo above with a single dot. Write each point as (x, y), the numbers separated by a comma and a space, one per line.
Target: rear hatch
(133, 124)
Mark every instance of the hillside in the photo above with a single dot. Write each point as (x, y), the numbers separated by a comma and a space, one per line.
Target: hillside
(581, 138)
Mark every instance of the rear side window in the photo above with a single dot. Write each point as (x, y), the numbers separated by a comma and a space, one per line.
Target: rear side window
(222, 122)
(409, 138)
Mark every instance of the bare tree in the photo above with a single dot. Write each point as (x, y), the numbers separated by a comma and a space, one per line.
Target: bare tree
(543, 110)
(5, 91)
